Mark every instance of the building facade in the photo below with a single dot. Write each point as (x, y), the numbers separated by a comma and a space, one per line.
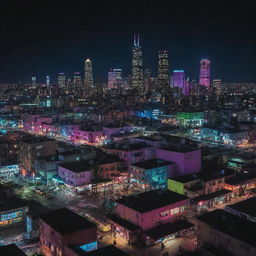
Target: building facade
(163, 79)
(204, 78)
(137, 64)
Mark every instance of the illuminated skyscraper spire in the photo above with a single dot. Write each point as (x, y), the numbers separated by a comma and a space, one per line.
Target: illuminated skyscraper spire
(88, 77)
(204, 78)
(137, 64)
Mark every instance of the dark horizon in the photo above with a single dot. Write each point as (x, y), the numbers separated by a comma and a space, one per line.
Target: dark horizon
(44, 38)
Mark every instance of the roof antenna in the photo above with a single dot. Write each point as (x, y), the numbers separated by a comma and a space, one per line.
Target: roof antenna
(134, 40)
(138, 42)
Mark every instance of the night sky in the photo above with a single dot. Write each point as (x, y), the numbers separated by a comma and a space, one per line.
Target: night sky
(40, 37)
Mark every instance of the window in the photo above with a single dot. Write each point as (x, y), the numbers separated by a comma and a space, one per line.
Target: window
(163, 214)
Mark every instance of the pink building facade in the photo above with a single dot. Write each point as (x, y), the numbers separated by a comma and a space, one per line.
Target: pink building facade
(150, 219)
(204, 78)
(75, 177)
(130, 156)
(188, 162)
(115, 131)
(54, 238)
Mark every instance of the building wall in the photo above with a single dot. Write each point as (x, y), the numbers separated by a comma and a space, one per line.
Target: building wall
(109, 170)
(176, 186)
(152, 218)
(75, 178)
(53, 243)
(211, 236)
(13, 217)
(187, 163)
(156, 177)
(29, 152)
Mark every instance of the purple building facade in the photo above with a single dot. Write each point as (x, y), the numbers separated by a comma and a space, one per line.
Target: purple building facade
(187, 161)
(75, 174)
(179, 78)
(204, 78)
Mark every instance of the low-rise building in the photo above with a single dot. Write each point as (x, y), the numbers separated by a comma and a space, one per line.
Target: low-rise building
(76, 173)
(32, 148)
(151, 174)
(12, 211)
(11, 250)
(187, 159)
(189, 185)
(61, 228)
(245, 209)
(227, 232)
(138, 215)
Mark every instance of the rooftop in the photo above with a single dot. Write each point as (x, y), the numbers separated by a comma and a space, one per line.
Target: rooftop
(11, 250)
(211, 195)
(186, 178)
(65, 221)
(123, 223)
(34, 139)
(126, 146)
(11, 203)
(181, 148)
(247, 207)
(79, 166)
(151, 200)
(167, 229)
(109, 250)
(240, 178)
(149, 138)
(232, 225)
(152, 163)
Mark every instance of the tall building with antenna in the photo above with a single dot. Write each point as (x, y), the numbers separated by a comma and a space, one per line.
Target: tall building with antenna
(88, 77)
(137, 64)
(204, 78)
(163, 70)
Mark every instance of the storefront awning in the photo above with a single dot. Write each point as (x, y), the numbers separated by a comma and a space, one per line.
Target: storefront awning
(165, 230)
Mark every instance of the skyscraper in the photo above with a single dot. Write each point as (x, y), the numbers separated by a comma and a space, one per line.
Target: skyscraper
(137, 64)
(88, 77)
(77, 80)
(33, 81)
(61, 80)
(163, 69)
(178, 78)
(204, 78)
(217, 85)
(47, 80)
(113, 75)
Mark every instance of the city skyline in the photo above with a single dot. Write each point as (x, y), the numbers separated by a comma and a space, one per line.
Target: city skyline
(188, 31)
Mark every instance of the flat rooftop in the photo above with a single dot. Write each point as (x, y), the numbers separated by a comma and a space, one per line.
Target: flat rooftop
(79, 166)
(11, 203)
(185, 178)
(123, 223)
(109, 250)
(211, 195)
(232, 225)
(152, 163)
(151, 200)
(65, 221)
(240, 178)
(149, 138)
(32, 140)
(167, 229)
(126, 146)
(247, 206)
(181, 148)
(11, 250)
